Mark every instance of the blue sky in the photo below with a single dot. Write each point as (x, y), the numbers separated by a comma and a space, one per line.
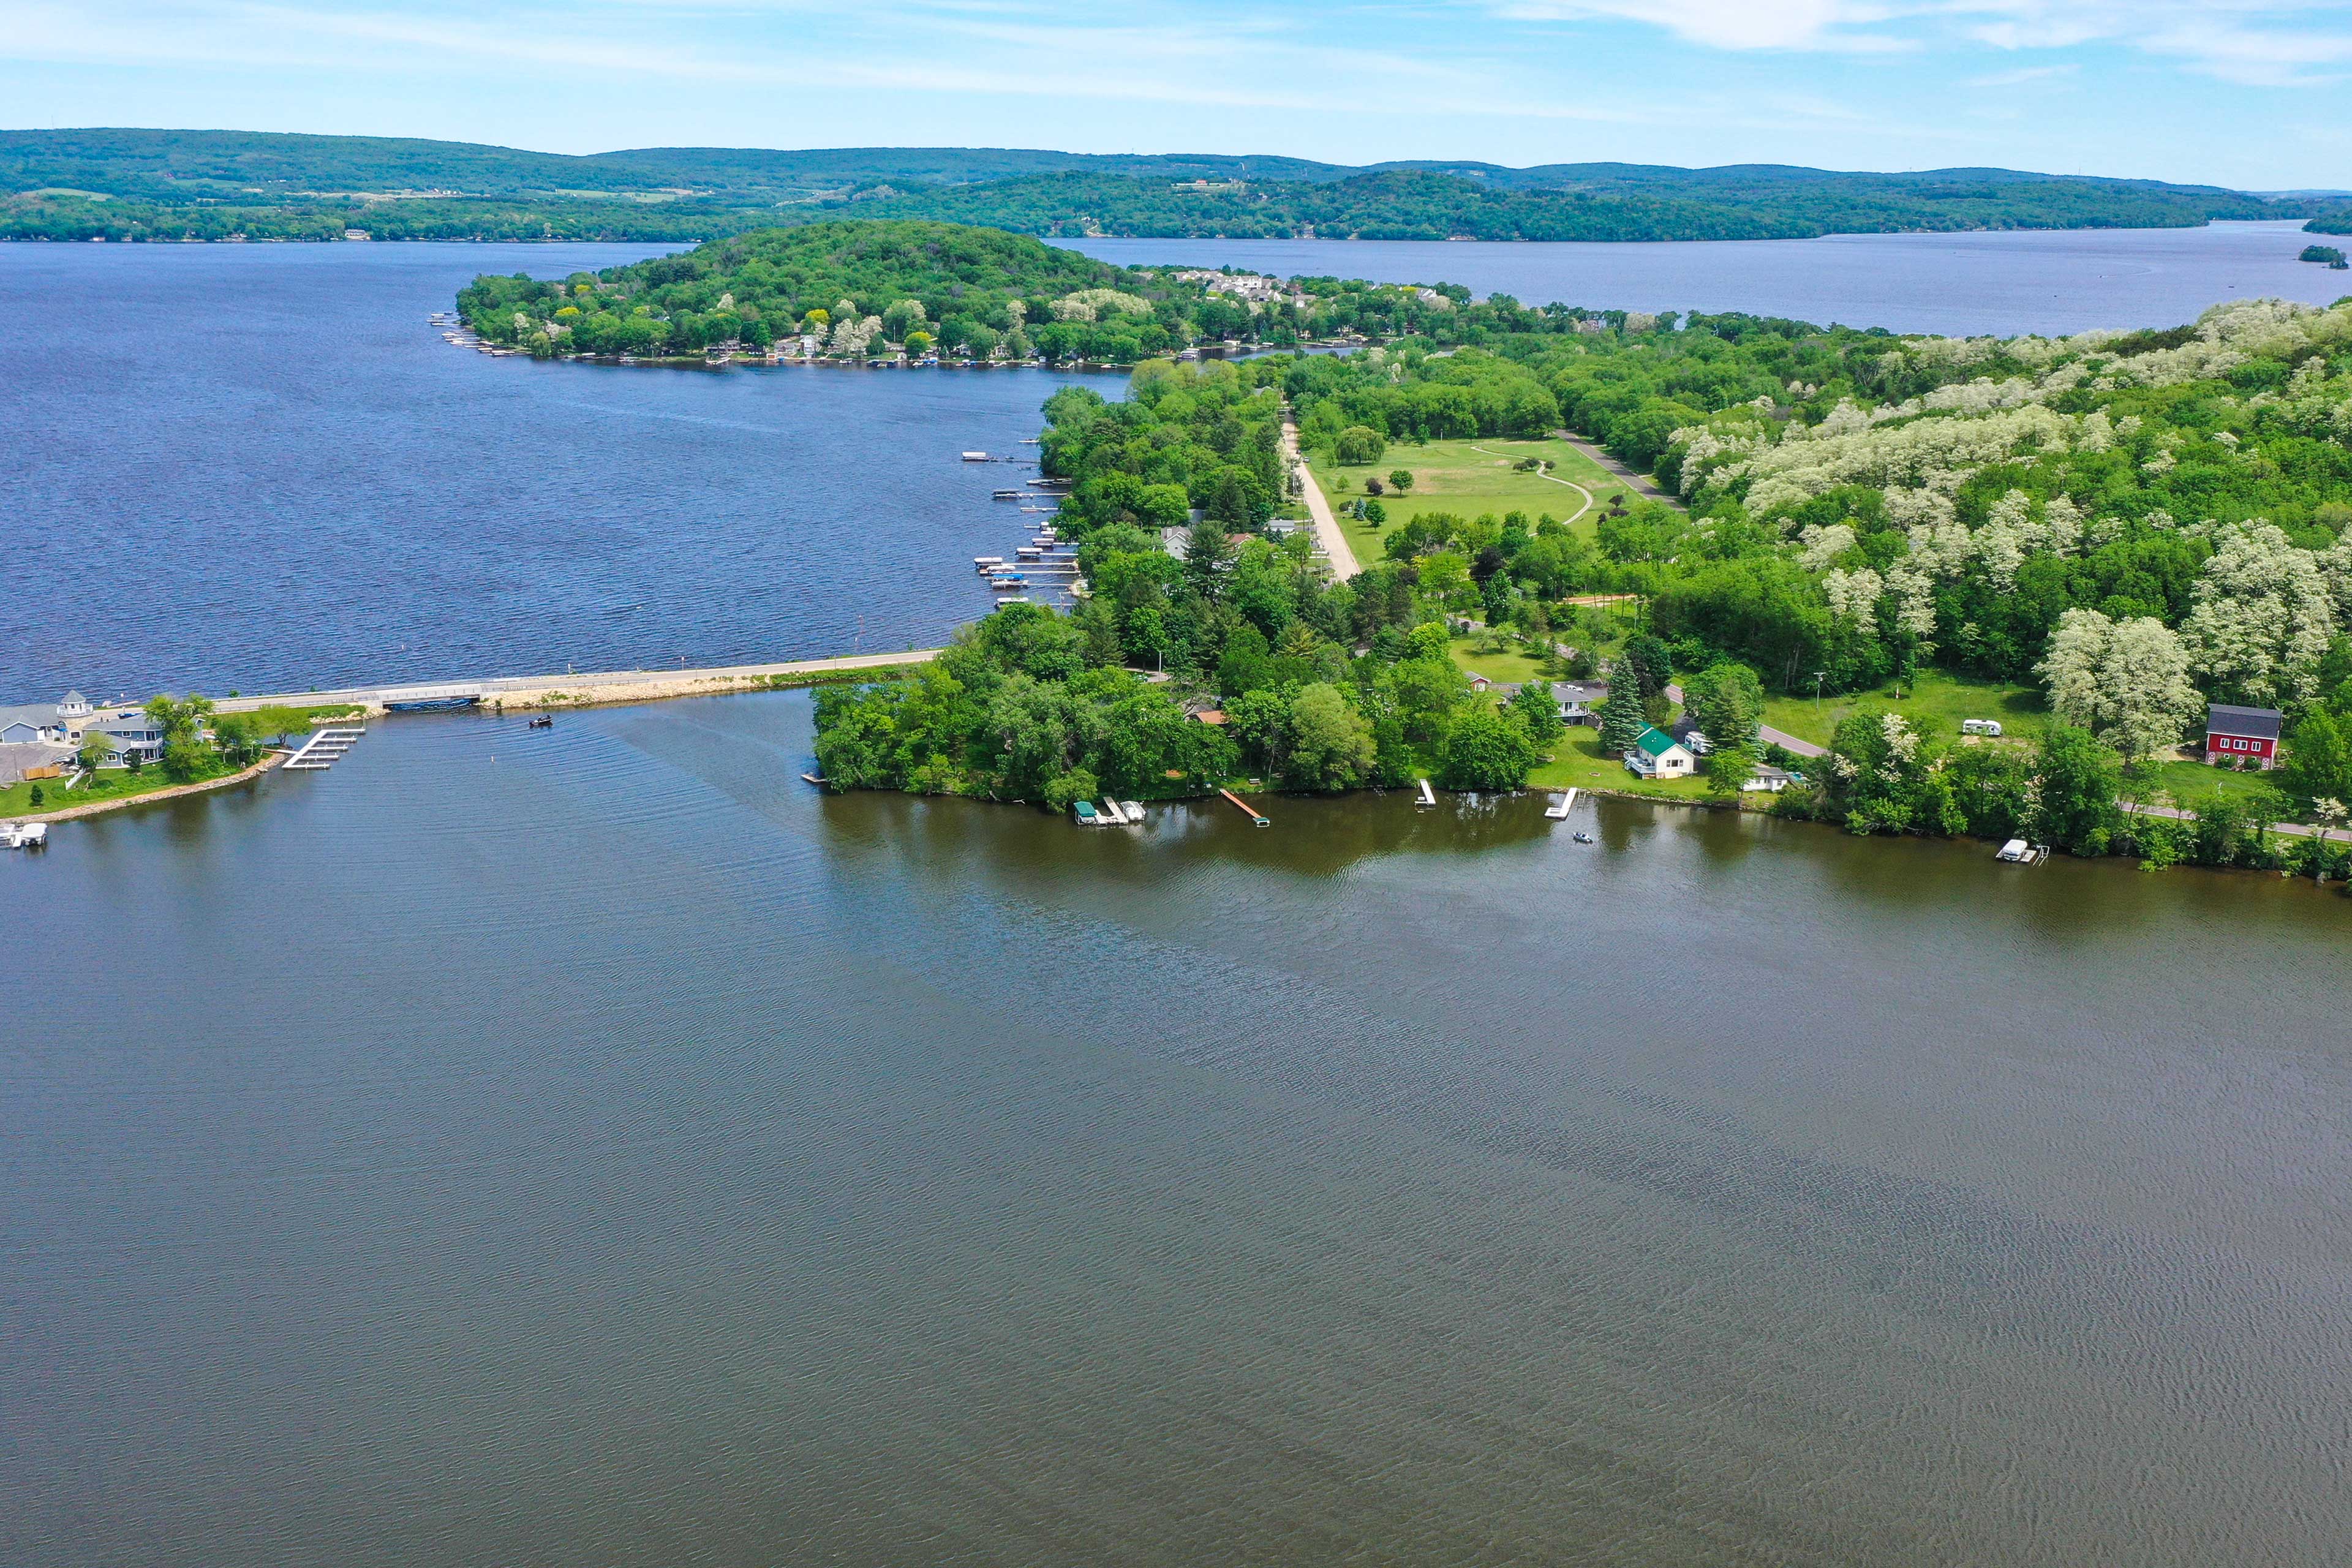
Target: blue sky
(2253, 93)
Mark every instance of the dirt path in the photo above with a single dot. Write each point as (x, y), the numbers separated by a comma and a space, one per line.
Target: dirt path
(1326, 527)
(1571, 484)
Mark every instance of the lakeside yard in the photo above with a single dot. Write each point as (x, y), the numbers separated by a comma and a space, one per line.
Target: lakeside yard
(1460, 477)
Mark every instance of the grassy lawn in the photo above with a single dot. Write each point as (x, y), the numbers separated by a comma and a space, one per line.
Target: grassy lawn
(2188, 784)
(1577, 760)
(1936, 705)
(1513, 666)
(1453, 476)
(113, 783)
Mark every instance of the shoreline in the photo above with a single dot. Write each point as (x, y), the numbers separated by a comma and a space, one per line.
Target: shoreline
(100, 807)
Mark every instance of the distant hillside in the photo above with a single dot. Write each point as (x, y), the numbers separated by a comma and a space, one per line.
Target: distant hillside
(168, 184)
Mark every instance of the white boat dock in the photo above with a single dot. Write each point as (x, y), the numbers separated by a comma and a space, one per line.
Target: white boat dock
(1562, 805)
(321, 752)
(23, 835)
(2017, 852)
(1428, 795)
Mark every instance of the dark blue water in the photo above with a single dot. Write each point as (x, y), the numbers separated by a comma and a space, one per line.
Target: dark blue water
(1954, 284)
(256, 467)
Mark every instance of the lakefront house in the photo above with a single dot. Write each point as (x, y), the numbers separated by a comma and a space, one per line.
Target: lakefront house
(1658, 755)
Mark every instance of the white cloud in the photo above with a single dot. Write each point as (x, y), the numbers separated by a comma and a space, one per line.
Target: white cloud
(2019, 77)
(2266, 43)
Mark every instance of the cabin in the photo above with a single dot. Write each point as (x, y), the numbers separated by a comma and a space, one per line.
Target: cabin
(2234, 735)
(1767, 780)
(1658, 755)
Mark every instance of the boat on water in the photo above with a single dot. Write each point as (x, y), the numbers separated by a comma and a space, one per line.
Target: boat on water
(1084, 811)
(1583, 838)
(1008, 579)
(23, 835)
(984, 563)
(433, 705)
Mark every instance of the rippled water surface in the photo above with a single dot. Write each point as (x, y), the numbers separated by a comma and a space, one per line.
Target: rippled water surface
(257, 467)
(593, 1146)
(2021, 281)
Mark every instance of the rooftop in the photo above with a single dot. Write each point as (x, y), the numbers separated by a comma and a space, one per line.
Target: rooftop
(2258, 723)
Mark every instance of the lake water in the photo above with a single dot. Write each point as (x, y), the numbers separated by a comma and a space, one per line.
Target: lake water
(592, 1145)
(2000, 282)
(257, 467)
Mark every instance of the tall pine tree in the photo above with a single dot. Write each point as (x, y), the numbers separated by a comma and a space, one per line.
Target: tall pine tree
(1621, 717)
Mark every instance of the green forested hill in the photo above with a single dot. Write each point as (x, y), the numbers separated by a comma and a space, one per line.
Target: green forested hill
(171, 185)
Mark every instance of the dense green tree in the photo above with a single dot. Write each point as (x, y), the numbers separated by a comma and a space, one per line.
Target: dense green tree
(1622, 718)
(1331, 744)
(1486, 750)
(2075, 781)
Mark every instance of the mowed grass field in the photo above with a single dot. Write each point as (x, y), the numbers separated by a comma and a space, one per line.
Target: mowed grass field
(1467, 477)
(1936, 704)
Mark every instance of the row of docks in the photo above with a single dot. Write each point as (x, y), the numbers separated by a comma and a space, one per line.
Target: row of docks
(324, 748)
(1046, 561)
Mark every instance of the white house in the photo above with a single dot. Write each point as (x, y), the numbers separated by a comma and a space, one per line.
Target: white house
(1769, 780)
(1658, 755)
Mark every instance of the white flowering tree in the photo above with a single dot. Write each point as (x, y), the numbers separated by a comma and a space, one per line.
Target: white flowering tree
(2263, 617)
(2128, 683)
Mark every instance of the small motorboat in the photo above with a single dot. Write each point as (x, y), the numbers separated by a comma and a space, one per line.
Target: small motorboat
(545, 721)
(1583, 838)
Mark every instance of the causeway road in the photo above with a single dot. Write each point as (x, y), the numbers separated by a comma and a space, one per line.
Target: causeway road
(1326, 527)
(584, 688)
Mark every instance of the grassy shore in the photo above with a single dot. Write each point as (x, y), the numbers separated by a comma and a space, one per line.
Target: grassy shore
(1457, 476)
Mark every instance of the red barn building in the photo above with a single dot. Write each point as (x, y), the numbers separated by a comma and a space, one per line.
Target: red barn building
(2234, 733)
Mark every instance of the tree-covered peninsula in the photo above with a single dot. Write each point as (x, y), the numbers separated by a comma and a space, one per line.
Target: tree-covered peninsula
(858, 289)
(1869, 538)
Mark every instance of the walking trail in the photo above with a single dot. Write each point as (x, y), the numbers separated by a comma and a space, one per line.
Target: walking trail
(1554, 478)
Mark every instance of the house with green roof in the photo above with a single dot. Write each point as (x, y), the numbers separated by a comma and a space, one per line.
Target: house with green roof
(1658, 755)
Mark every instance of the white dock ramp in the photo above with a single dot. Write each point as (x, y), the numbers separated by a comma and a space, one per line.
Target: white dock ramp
(1562, 805)
(1428, 795)
(318, 752)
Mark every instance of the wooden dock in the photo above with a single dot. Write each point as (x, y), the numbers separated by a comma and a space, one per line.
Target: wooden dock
(1258, 817)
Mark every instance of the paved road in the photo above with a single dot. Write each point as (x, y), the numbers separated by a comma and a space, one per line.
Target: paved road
(1770, 736)
(1642, 483)
(1326, 527)
(1554, 478)
(582, 681)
